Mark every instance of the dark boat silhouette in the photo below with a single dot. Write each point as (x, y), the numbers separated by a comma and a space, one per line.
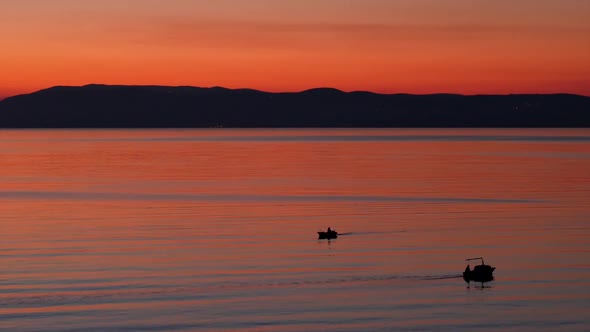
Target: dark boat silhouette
(480, 273)
(329, 234)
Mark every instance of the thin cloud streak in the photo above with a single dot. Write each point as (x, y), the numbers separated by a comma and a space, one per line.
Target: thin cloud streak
(174, 32)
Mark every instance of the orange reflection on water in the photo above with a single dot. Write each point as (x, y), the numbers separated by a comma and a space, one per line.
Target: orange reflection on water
(106, 220)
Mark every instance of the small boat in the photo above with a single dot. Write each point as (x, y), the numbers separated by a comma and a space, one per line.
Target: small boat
(329, 234)
(480, 273)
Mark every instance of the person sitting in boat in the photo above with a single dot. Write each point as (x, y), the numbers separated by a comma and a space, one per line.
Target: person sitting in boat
(467, 269)
(329, 230)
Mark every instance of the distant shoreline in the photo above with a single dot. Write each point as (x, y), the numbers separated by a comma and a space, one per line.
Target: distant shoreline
(120, 106)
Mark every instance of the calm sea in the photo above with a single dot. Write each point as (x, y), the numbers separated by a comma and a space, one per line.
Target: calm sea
(183, 230)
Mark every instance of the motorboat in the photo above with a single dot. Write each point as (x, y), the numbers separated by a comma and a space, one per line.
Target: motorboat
(480, 273)
(329, 234)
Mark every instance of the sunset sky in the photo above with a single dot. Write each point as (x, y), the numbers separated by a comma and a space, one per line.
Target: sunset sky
(412, 46)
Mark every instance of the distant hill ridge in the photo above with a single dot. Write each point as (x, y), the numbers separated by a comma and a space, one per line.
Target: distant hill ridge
(120, 106)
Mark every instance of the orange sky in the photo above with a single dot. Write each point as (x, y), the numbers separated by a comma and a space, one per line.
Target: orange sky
(414, 46)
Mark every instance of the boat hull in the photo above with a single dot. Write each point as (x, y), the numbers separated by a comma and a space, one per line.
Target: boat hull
(327, 235)
(481, 273)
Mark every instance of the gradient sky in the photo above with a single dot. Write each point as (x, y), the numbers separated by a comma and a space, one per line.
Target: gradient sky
(414, 46)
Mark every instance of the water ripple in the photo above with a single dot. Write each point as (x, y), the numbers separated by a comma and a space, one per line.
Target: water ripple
(70, 195)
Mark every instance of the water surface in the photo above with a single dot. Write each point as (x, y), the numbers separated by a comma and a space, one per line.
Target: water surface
(130, 230)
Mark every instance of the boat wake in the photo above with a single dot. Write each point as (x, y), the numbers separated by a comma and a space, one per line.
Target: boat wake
(132, 293)
(371, 233)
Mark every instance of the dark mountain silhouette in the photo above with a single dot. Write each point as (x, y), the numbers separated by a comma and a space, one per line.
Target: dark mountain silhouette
(110, 106)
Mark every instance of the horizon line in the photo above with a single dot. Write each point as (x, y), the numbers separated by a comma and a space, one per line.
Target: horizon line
(294, 91)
